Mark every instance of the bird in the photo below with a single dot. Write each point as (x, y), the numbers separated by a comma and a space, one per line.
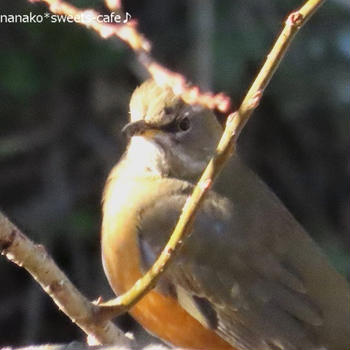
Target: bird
(248, 277)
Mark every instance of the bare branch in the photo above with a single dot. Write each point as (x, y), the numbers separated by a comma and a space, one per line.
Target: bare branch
(234, 125)
(80, 346)
(35, 259)
(127, 31)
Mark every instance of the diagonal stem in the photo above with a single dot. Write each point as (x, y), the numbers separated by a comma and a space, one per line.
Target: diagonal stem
(234, 125)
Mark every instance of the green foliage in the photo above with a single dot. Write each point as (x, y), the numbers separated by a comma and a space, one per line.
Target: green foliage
(20, 75)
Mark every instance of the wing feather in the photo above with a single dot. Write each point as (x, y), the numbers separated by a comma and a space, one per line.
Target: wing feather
(265, 280)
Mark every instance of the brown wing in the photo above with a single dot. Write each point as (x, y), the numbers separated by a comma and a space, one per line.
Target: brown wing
(250, 272)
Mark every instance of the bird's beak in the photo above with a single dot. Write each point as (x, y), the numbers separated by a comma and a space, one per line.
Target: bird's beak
(139, 127)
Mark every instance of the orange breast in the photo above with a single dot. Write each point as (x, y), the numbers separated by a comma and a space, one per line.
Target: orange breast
(164, 317)
(159, 314)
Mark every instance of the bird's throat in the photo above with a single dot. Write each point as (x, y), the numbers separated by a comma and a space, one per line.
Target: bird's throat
(145, 156)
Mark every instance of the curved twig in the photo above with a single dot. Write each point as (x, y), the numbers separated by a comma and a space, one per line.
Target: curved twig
(234, 125)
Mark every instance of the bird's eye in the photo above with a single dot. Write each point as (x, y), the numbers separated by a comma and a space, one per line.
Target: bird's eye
(168, 110)
(184, 124)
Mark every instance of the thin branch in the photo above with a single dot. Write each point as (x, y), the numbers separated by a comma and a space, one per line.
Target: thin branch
(234, 125)
(35, 259)
(292, 25)
(127, 31)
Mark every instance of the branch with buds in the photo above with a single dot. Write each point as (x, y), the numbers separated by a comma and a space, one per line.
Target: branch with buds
(128, 32)
(93, 319)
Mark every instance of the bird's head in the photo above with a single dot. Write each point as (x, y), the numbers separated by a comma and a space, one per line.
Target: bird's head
(167, 135)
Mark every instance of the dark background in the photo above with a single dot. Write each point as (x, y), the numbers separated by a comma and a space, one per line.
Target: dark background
(64, 97)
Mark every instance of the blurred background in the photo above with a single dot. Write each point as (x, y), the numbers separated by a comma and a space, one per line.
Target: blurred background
(64, 98)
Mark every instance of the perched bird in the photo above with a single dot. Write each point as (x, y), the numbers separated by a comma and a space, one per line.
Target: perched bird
(248, 277)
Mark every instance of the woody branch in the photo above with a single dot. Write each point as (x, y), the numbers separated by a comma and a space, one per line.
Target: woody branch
(19, 249)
